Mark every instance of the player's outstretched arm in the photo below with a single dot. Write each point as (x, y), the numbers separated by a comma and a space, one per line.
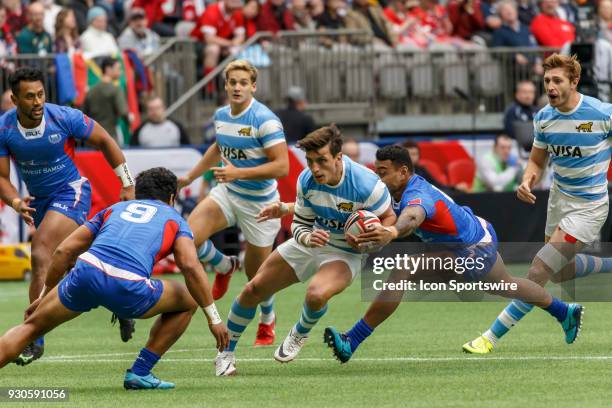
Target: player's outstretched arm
(211, 157)
(277, 166)
(533, 174)
(197, 283)
(275, 210)
(9, 194)
(114, 156)
(408, 221)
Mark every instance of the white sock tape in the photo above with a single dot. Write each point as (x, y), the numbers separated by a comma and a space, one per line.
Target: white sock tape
(554, 259)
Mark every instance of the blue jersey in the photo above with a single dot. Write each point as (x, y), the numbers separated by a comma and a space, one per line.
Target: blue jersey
(328, 207)
(577, 142)
(445, 221)
(45, 155)
(131, 236)
(242, 139)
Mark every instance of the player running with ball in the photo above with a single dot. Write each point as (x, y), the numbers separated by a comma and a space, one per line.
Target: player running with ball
(328, 192)
(574, 130)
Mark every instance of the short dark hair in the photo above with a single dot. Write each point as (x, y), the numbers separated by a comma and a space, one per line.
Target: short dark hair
(411, 144)
(107, 62)
(398, 155)
(327, 135)
(26, 74)
(157, 183)
(501, 136)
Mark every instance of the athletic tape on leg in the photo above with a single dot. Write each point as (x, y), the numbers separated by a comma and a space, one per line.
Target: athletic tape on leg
(551, 256)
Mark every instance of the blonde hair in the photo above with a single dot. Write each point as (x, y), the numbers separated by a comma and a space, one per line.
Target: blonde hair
(242, 65)
(570, 65)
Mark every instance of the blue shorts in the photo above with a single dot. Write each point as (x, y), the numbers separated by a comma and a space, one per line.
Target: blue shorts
(484, 255)
(87, 287)
(72, 200)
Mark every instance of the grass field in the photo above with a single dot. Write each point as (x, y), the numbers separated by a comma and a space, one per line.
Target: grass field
(414, 359)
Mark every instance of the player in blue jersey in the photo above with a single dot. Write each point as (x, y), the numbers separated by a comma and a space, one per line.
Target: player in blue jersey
(114, 253)
(251, 144)
(574, 130)
(433, 216)
(328, 192)
(40, 138)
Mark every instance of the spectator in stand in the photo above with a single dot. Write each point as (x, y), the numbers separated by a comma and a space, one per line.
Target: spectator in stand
(66, 32)
(433, 21)
(466, 18)
(316, 8)
(527, 11)
(491, 19)
(33, 39)
(274, 16)
(250, 12)
(296, 123)
(351, 149)
(96, 41)
(405, 25)
(137, 36)
(7, 41)
(81, 9)
(221, 27)
(549, 29)
(364, 15)
(333, 16)
(156, 16)
(6, 102)
(302, 18)
(604, 17)
(567, 11)
(415, 156)
(523, 109)
(16, 17)
(499, 169)
(158, 130)
(51, 12)
(105, 102)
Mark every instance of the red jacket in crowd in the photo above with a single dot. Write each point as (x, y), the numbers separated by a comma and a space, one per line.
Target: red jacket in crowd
(215, 21)
(274, 19)
(465, 25)
(551, 31)
(152, 8)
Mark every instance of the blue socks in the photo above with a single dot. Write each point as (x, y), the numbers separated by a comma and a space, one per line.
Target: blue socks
(144, 362)
(358, 334)
(238, 319)
(40, 341)
(208, 253)
(308, 319)
(557, 309)
(587, 265)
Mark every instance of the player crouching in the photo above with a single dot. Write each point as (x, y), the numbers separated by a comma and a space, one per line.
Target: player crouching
(116, 251)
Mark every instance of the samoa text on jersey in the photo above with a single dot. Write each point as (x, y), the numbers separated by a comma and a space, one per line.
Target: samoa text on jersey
(242, 139)
(330, 206)
(133, 235)
(578, 145)
(45, 155)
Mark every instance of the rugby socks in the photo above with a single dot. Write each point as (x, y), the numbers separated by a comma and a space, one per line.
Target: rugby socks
(510, 316)
(557, 309)
(588, 265)
(208, 253)
(358, 334)
(238, 319)
(40, 341)
(308, 319)
(267, 315)
(145, 362)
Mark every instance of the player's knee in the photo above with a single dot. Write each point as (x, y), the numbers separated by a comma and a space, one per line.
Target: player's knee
(556, 278)
(538, 274)
(253, 292)
(316, 298)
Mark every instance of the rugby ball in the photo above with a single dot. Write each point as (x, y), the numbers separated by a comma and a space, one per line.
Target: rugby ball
(360, 221)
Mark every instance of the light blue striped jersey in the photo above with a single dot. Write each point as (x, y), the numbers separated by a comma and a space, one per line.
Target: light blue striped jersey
(330, 206)
(242, 139)
(578, 145)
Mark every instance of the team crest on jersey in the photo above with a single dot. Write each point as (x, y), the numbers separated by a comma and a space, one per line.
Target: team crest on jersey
(348, 207)
(245, 131)
(585, 127)
(55, 138)
(566, 151)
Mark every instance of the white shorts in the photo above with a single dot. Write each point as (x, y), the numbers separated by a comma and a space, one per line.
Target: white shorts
(243, 213)
(580, 218)
(307, 261)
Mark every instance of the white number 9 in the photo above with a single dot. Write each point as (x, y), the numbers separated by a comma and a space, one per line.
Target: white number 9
(138, 213)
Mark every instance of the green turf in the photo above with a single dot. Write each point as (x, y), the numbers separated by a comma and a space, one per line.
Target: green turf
(414, 359)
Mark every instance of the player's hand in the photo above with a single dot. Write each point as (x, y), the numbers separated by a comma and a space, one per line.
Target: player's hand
(183, 182)
(272, 211)
(318, 238)
(219, 331)
(227, 173)
(22, 206)
(378, 236)
(32, 308)
(524, 191)
(127, 193)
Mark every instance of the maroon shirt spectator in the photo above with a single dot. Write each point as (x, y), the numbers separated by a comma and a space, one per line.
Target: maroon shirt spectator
(466, 17)
(274, 16)
(15, 15)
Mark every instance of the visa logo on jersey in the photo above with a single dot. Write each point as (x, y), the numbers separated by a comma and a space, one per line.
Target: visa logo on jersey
(233, 153)
(566, 151)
